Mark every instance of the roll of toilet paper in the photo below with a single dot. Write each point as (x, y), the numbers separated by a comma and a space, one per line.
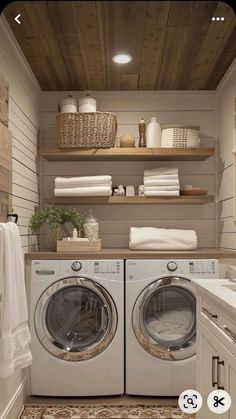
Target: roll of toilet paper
(87, 104)
(68, 104)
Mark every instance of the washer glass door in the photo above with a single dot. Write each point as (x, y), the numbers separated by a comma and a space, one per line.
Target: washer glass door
(75, 319)
(164, 319)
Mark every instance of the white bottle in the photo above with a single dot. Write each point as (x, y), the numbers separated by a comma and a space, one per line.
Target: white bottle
(153, 136)
(87, 104)
(68, 105)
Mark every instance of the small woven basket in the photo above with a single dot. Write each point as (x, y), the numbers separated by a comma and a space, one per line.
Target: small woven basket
(87, 130)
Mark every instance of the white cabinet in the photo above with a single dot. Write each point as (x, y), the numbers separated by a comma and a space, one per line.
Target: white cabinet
(216, 364)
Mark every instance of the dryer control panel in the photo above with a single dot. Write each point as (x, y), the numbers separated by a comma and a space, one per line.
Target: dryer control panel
(197, 268)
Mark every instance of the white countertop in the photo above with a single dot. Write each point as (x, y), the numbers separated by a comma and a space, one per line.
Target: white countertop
(215, 289)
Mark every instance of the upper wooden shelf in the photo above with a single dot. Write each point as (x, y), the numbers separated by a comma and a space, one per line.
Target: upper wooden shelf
(135, 153)
(129, 200)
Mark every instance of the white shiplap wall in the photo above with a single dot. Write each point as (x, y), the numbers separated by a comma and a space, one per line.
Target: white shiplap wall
(191, 108)
(226, 97)
(24, 119)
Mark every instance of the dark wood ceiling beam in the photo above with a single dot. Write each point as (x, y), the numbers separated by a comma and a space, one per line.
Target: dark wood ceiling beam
(44, 30)
(88, 31)
(63, 18)
(212, 47)
(176, 34)
(133, 34)
(154, 36)
(223, 64)
(199, 23)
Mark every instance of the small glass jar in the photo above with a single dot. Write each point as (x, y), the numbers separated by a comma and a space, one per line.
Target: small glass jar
(91, 227)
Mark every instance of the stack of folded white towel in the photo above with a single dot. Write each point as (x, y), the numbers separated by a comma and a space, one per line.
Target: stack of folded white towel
(162, 181)
(83, 186)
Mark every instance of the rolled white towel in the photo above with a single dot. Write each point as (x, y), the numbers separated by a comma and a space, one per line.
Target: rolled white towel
(161, 193)
(161, 171)
(62, 182)
(151, 238)
(162, 188)
(84, 191)
(162, 182)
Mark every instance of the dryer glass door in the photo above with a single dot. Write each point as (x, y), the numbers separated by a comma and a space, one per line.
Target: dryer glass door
(75, 319)
(164, 319)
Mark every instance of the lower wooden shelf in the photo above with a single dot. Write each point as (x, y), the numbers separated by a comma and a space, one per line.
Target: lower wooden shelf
(129, 200)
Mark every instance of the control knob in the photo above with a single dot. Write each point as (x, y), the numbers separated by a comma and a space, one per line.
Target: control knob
(172, 266)
(76, 266)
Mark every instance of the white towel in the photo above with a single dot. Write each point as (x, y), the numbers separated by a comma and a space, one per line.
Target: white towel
(161, 171)
(162, 177)
(61, 182)
(14, 332)
(84, 191)
(161, 188)
(172, 324)
(151, 238)
(161, 193)
(161, 182)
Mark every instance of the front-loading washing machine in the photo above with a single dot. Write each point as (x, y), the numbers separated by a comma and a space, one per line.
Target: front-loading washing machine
(161, 324)
(77, 327)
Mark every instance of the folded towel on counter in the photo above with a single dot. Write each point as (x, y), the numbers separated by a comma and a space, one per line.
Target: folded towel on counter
(162, 182)
(162, 188)
(61, 182)
(161, 193)
(84, 191)
(14, 332)
(151, 238)
(161, 171)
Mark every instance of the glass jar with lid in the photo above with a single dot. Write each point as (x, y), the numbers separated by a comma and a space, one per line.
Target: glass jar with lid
(91, 227)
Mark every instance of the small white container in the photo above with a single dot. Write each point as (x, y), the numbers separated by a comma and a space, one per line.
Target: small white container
(87, 104)
(153, 136)
(91, 227)
(68, 104)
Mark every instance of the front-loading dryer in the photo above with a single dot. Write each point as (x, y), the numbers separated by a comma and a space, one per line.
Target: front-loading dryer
(77, 327)
(161, 324)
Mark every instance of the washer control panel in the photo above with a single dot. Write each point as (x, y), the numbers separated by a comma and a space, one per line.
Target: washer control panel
(76, 266)
(172, 266)
(106, 266)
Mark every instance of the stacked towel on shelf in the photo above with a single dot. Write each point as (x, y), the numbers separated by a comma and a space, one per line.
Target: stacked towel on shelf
(151, 238)
(83, 186)
(162, 181)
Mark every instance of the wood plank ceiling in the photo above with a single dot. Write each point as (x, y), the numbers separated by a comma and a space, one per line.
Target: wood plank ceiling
(175, 44)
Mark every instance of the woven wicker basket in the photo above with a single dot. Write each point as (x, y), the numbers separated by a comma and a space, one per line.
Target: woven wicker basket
(87, 130)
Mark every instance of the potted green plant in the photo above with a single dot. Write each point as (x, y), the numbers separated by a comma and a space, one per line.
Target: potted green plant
(56, 218)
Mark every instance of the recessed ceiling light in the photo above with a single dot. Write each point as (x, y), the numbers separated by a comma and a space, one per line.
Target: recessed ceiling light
(122, 58)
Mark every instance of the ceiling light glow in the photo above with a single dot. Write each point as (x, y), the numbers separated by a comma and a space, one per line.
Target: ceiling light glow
(122, 58)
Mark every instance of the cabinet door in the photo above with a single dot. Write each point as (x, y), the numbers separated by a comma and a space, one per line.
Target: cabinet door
(207, 357)
(230, 381)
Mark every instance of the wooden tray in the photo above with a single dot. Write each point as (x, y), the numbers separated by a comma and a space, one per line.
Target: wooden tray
(194, 191)
(76, 246)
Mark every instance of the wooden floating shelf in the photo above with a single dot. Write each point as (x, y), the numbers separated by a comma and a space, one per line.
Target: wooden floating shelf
(135, 153)
(129, 200)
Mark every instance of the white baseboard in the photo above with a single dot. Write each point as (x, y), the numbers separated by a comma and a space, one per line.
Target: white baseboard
(15, 406)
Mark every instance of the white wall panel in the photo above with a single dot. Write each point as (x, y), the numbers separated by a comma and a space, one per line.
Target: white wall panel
(226, 94)
(24, 117)
(188, 108)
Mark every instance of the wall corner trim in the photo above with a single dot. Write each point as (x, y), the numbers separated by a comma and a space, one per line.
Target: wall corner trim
(15, 406)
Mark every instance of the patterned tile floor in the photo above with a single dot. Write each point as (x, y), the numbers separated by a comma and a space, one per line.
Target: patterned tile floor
(104, 412)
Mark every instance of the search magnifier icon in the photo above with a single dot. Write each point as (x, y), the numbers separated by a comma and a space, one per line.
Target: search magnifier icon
(190, 401)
